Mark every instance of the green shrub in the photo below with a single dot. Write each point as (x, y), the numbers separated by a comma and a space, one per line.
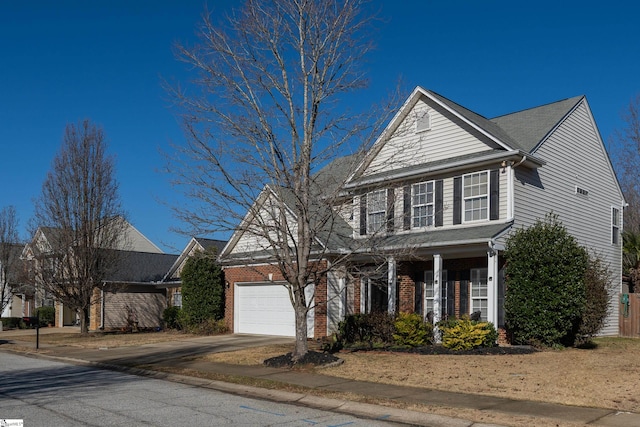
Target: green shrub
(208, 327)
(202, 290)
(171, 317)
(411, 330)
(47, 315)
(545, 271)
(12, 323)
(597, 281)
(466, 334)
(372, 329)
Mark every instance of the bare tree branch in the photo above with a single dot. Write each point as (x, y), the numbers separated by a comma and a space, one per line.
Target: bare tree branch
(80, 220)
(264, 116)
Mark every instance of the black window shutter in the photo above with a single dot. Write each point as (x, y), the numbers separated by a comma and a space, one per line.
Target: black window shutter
(363, 214)
(457, 200)
(438, 204)
(390, 210)
(494, 194)
(406, 207)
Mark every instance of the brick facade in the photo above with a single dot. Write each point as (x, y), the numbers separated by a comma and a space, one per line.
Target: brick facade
(267, 273)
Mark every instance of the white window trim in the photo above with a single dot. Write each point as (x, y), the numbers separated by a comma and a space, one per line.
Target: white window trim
(370, 225)
(486, 196)
(429, 218)
(582, 192)
(476, 272)
(615, 225)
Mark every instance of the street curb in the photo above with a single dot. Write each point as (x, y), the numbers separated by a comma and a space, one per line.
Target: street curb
(357, 409)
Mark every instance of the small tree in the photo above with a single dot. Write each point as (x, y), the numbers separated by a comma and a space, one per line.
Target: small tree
(79, 211)
(202, 289)
(545, 271)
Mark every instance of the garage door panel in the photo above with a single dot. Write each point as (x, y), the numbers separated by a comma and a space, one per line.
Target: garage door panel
(266, 309)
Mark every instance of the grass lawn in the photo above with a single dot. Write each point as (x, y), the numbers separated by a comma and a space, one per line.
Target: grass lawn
(605, 376)
(99, 339)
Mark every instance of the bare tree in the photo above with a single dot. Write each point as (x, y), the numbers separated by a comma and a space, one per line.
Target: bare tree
(80, 220)
(9, 254)
(267, 116)
(627, 146)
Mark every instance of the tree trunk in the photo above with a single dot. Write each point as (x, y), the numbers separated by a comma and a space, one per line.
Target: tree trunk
(302, 347)
(84, 320)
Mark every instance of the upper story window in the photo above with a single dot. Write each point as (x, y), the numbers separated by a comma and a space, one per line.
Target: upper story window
(423, 122)
(376, 211)
(422, 204)
(476, 196)
(615, 225)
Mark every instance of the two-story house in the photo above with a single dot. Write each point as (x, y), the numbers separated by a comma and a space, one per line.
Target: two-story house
(429, 209)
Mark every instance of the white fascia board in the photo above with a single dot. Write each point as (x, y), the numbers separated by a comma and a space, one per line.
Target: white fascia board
(464, 119)
(449, 167)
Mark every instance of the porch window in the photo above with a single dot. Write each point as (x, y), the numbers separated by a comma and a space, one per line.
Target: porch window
(429, 295)
(615, 226)
(177, 299)
(375, 295)
(376, 211)
(479, 292)
(476, 196)
(422, 204)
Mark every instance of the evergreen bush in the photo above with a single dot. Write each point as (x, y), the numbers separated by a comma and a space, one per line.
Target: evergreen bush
(202, 290)
(466, 334)
(171, 317)
(545, 271)
(47, 315)
(412, 331)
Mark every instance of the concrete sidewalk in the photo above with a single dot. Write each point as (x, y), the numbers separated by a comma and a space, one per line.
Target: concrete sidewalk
(176, 354)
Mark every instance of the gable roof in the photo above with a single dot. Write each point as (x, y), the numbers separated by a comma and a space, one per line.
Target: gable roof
(141, 267)
(516, 133)
(195, 244)
(528, 128)
(326, 183)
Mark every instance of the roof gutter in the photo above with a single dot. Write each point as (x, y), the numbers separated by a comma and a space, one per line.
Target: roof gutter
(514, 155)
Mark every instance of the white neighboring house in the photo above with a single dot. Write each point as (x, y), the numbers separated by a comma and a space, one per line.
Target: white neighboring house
(438, 193)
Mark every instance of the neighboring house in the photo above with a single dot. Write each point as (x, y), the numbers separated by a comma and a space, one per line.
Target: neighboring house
(18, 296)
(130, 290)
(133, 295)
(172, 278)
(428, 211)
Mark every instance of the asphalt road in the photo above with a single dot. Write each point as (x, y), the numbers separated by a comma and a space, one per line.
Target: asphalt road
(48, 393)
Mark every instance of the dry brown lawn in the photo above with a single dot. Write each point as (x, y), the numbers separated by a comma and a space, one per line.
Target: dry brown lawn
(606, 376)
(98, 339)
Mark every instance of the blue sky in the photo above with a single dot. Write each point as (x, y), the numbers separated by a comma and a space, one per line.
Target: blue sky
(63, 61)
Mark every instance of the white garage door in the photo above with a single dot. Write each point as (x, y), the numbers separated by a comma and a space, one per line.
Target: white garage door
(265, 309)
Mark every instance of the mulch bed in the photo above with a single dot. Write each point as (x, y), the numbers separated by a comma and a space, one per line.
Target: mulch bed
(314, 358)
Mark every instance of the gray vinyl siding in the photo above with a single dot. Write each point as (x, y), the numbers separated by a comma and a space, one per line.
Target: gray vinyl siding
(407, 147)
(574, 155)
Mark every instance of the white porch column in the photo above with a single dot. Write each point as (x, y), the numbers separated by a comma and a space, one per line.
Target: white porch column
(492, 286)
(437, 284)
(391, 285)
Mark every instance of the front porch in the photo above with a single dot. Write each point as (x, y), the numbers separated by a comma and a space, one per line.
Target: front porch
(446, 285)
